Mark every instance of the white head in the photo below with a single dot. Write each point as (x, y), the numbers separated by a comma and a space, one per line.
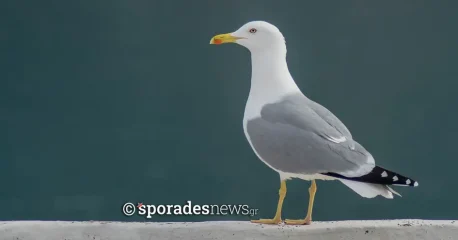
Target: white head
(256, 36)
(270, 77)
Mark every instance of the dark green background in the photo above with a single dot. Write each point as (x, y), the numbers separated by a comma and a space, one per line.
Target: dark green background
(104, 102)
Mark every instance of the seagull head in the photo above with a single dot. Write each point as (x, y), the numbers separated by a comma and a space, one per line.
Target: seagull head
(256, 36)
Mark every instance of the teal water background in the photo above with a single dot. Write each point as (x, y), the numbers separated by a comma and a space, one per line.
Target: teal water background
(105, 102)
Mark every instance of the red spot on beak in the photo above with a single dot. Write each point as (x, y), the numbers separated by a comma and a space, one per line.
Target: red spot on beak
(218, 41)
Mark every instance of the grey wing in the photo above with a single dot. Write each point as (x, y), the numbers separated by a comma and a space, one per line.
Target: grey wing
(330, 118)
(291, 137)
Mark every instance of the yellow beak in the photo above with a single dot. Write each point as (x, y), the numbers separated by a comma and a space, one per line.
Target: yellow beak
(224, 38)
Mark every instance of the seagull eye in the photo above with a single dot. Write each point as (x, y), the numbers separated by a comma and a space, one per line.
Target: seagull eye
(253, 30)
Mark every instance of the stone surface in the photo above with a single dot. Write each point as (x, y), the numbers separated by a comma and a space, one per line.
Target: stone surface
(227, 230)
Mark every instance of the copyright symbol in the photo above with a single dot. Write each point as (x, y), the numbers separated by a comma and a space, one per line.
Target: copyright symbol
(128, 209)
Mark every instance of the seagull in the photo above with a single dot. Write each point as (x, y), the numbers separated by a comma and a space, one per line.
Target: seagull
(296, 136)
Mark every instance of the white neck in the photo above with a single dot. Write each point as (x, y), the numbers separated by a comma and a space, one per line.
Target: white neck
(270, 80)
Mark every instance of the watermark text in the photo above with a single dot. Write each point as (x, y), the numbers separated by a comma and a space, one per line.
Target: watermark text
(148, 210)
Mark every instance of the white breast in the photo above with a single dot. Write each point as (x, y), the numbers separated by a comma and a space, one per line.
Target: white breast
(270, 82)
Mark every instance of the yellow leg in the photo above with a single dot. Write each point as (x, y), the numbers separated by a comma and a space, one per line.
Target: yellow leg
(277, 218)
(308, 218)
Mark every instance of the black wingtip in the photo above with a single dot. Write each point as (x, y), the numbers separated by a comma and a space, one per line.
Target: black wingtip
(379, 175)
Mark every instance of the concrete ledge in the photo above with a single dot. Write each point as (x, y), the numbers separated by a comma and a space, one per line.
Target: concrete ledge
(227, 230)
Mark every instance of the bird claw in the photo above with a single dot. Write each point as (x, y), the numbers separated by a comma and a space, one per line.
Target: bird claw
(306, 221)
(268, 221)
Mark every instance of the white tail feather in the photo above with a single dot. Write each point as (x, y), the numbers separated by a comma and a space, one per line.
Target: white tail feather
(369, 190)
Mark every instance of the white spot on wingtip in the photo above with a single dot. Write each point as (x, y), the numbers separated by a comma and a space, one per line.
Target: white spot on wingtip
(384, 174)
(415, 184)
(408, 181)
(395, 178)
